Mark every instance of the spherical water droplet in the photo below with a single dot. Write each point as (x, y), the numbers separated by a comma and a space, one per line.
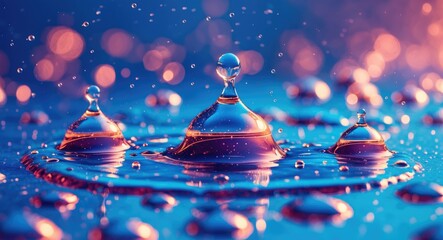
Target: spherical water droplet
(221, 178)
(208, 18)
(193, 65)
(131, 85)
(134, 5)
(228, 66)
(19, 70)
(299, 164)
(184, 21)
(59, 84)
(85, 24)
(280, 130)
(92, 93)
(34, 152)
(272, 71)
(136, 165)
(343, 168)
(159, 201)
(315, 209)
(361, 116)
(401, 163)
(280, 54)
(421, 192)
(220, 223)
(231, 14)
(30, 38)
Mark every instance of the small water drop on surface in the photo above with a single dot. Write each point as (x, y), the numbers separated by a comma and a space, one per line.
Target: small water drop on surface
(299, 164)
(136, 165)
(317, 209)
(132, 228)
(401, 163)
(159, 201)
(343, 168)
(221, 178)
(221, 223)
(421, 192)
(30, 38)
(34, 152)
(54, 199)
(52, 160)
(22, 224)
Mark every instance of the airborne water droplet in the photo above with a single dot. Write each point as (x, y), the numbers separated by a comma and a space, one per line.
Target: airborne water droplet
(85, 24)
(19, 70)
(136, 165)
(30, 38)
(134, 5)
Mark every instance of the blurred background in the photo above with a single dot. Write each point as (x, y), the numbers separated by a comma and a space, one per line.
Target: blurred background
(57, 48)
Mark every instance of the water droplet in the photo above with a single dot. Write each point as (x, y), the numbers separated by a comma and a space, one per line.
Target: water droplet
(221, 178)
(401, 163)
(421, 192)
(131, 85)
(240, 136)
(55, 199)
(22, 224)
(19, 70)
(159, 201)
(317, 209)
(85, 24)
(222, 223)
(343, 168)
(134, 5)
(299, 164)
(34, 152)
(208, 18)
(361, 140)
(280, 54)
(52, 160)
(30, 38)
(272, 71)
(136, 165)
(434, 231)
(280, 130)
(93, 132)
(193, 65)
(231, 14)
(131, 228)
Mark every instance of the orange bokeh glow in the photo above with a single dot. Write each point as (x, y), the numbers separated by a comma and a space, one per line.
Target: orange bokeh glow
(65, 42)
(23, 93)
(388, 46)
(104, 75)
(117, 43)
